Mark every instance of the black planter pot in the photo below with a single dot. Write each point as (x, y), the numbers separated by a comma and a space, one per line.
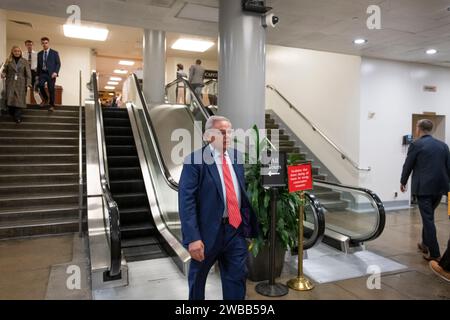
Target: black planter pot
(258, 268)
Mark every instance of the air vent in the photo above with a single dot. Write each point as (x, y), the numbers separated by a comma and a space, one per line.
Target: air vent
(199, 13)
(23, 23)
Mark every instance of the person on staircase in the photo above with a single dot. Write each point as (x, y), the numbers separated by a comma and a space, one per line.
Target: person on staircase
(48, 67)
(18, 78)
(31, 56)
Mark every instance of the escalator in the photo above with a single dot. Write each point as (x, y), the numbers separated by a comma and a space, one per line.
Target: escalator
(138, 230)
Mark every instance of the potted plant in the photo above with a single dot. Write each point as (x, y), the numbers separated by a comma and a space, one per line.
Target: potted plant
(286, 219)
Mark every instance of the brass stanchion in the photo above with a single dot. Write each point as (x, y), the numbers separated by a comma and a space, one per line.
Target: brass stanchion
(300, 283)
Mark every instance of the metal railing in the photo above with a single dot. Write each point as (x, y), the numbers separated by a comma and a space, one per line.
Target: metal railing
(343, 155)
(80, 162)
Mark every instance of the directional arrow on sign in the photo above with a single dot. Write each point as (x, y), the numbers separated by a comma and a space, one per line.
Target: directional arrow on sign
(273, 173)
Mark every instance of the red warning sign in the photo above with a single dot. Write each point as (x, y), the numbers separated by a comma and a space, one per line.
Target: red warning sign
(300, 177)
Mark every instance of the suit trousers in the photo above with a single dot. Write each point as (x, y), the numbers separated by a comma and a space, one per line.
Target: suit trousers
(230, 250)
(45, 77)
(427, 205)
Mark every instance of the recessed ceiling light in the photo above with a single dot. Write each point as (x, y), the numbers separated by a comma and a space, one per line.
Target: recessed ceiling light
(118, 71)
(126, 63)
(431, 51)
(192, 45)
(360, 41)
(110, 94)
(109, 87)
(113, 83)
(85, 32)
(115, 78)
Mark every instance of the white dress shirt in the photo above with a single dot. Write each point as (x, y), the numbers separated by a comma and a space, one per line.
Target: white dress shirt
(34, 59)
(218, 160)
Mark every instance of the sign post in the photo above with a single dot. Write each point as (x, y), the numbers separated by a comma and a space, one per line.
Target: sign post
(273, 176)
(300, 179)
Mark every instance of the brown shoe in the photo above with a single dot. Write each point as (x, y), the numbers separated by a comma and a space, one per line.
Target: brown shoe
(427, 257)
(437, 269)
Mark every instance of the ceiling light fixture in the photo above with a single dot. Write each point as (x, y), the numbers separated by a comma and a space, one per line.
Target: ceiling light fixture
(113, 83)
(431, 51)
(115, 78)
(109, 87)
(192, 45)
(85, 32)
(360, 41)
(119, 71)
(126, 63)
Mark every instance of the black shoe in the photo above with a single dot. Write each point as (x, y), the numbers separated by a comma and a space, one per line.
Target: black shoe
(427, 257)
(18, 120)
(51, 109)
(423, 248)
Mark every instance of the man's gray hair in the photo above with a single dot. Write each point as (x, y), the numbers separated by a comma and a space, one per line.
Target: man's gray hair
(211, 120)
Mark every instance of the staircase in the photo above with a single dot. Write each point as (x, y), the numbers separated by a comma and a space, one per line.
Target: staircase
(139, 235)
(330, 200)
(39, 172)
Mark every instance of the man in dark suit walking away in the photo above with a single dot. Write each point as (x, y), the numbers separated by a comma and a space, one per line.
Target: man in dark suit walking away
(429, 161)
(48, 69)
(216, 214)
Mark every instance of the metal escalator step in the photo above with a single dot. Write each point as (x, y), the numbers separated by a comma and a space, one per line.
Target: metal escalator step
(116, 122)
(126, 200)
(110, 130)
(119, 140)
(127, 186)
(138, 242)
(112, 150)
(143, 253)
(123, 161)
(124, 173)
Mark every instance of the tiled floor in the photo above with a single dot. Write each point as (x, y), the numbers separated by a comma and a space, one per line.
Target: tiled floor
(36, 269)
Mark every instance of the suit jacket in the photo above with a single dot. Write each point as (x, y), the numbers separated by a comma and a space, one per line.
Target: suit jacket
(53, 62)
(429, 160)
(201, 200)
(196, 73)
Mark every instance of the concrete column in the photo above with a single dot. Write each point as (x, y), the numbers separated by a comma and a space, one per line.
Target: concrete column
(3, 49)
(154, 66)
(242, 67)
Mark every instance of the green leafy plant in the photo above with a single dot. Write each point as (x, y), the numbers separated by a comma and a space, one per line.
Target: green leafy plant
(287, 203)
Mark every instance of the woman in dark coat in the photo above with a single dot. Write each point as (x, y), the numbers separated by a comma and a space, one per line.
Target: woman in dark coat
(18, 77)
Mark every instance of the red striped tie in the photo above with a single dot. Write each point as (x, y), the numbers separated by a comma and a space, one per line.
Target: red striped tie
(234, 214)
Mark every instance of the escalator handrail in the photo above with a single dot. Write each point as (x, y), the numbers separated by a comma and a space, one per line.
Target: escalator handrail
(319, 220)
(166, 173)
(375, 199)
(113, 210)
(203, 109)
(344, 156)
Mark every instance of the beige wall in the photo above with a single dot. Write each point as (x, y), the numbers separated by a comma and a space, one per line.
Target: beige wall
(73, 59)
(3, 45)
(325, 88)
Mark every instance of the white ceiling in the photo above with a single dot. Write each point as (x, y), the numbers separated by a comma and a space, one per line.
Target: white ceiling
(408, 26)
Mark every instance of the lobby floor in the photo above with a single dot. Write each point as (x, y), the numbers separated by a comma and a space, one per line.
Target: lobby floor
(37, 268)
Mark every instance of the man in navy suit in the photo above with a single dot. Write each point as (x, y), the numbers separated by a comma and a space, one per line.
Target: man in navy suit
(429, 160)
(215, 212)
(48, 69)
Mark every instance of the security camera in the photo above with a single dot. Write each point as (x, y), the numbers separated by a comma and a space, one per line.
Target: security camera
(270, 20)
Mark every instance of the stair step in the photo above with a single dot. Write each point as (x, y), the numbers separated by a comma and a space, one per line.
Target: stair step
(272, 126)
(14, 169)
(37, 189)
(49, 118)
(38, 213)
(17, 201)
(57, 107)
(18, 131)
(15, 141)
(56, 112)
(40, 178)
(34, 149)
(24, 159)
(38, 227)
(38, 125)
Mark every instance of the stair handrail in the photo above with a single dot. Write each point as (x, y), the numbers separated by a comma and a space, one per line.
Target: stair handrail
(113, 222)
(80, 162)
(344, 156)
